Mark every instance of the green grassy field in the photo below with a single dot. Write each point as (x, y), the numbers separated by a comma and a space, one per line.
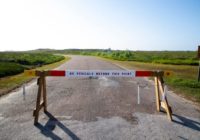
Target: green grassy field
(11, 82)
(12, 63)
(8, 68)
(159, 57)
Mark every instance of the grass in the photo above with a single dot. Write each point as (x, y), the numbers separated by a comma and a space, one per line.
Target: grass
(183, 81)
(9, 68)
(28, 58)
(9, 83)
(158, 57)
(12, 63)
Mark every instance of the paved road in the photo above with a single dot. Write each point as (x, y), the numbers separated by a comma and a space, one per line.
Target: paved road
(90, 109)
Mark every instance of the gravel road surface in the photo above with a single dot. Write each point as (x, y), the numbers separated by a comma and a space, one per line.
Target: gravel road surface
(96, 109)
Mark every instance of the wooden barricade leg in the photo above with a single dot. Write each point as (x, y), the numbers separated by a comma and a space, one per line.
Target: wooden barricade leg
(41, 94)
(157, 93)
(164, 102)
(44, 94)
(36, 110)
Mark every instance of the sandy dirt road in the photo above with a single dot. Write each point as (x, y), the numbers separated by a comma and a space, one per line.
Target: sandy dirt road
(96, 109)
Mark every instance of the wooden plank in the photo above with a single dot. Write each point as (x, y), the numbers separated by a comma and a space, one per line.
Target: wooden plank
(44, 94)
(36, 112)
(39, 108)
(163, 105)
(165, 102)
(144, 73)
(157, 94)
(56, 73)
(138, 73)
(30, 72)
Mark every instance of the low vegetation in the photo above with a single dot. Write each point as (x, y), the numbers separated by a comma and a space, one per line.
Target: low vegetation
(11, 82)
(7, 68)
(158, 57)
(12, 63)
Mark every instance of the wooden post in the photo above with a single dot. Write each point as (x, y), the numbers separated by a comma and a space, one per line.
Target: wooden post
(157, 94)
(41, 94)
(164, 102)
(44, 93)
(36, 110)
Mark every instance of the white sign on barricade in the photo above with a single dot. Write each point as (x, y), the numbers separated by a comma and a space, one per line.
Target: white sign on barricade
(99, 73)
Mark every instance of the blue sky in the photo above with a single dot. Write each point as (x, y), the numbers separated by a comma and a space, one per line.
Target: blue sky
(122, 24)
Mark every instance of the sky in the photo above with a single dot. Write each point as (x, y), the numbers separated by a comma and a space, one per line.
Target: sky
(99, 24)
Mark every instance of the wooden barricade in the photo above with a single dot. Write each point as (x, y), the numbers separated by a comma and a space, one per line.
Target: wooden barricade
(41, 101)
